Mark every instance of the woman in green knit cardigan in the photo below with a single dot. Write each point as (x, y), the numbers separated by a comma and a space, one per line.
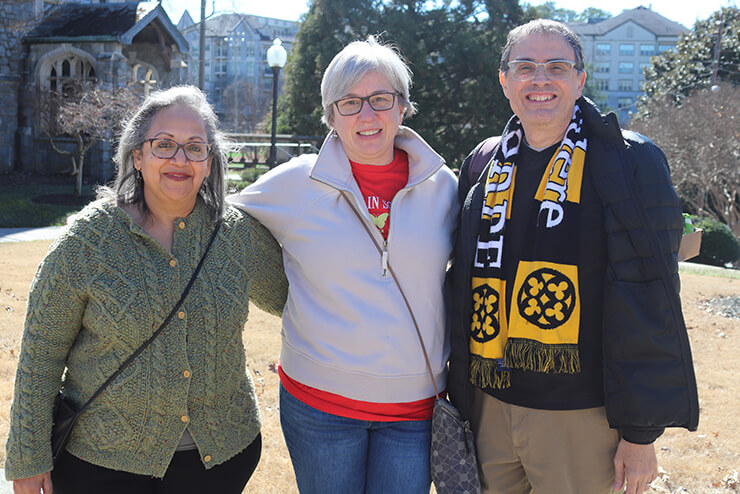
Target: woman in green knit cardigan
(183, 417)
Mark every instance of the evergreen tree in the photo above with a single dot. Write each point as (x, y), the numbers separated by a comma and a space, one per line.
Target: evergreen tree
(453, 54)
(592, 13)
(328, 26)
(694, 63)
(548, 10)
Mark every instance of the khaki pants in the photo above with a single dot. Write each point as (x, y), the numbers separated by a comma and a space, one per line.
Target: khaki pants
(524, 450)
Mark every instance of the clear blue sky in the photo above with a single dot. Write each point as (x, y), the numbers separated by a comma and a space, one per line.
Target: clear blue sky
(683, 11)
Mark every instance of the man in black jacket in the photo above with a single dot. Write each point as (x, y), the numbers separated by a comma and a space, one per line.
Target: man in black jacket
(569, 351)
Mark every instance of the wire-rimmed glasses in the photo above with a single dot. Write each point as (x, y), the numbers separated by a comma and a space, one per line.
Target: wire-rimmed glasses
(555, 70)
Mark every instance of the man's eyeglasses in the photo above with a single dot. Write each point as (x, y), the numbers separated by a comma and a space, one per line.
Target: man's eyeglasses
(555, 70)
(167, 148)
(353, 105)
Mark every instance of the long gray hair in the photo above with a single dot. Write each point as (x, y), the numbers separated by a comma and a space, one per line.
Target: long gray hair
(127, 189)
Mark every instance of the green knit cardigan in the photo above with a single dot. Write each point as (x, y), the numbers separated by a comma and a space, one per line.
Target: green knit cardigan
(102, 289)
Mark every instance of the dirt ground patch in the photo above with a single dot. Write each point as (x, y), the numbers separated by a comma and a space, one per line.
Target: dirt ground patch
(706, 461)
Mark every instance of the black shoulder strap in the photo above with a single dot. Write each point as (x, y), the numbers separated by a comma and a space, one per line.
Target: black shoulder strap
(482, 154)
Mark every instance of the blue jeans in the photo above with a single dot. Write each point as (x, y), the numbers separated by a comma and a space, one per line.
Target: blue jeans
(338, 455)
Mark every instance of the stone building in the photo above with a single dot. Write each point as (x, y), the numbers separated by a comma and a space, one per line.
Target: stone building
(619, 48)
(49, 46)
(16, 18)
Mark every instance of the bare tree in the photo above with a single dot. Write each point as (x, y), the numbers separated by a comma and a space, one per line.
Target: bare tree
(87, 113)
(242, 109)
(701, 140)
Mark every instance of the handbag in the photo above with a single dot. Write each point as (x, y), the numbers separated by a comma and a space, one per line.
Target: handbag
(66, 412)
(452, 459)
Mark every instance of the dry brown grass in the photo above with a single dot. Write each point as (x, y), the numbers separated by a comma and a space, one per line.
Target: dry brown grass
(702, 462)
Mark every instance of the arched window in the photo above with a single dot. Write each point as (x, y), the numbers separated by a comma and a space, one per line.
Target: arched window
(145, 77)
(65, 72)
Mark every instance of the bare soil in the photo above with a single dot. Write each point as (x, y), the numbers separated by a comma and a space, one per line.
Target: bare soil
(705, 461)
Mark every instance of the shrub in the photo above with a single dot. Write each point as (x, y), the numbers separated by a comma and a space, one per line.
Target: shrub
(719, 246)
(239, 180)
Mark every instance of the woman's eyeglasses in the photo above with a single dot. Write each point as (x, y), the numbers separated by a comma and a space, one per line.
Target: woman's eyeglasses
(555, 70)
(353, 105)
(167, 148)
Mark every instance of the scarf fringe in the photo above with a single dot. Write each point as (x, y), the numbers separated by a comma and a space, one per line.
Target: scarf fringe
(486, 373)
(534, 356)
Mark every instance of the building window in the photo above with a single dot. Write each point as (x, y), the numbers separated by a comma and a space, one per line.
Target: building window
(626, 50)
(643, 66)
(624, 103)
(603, 49)
(647, 50)
(145, 77)
(221, 49)
(602, 84)
(625, 84)
(663, 48)
(601, 67)
(626, 67)
(66, 70)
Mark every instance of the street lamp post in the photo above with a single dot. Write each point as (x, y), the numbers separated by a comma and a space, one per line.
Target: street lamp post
(276, 57)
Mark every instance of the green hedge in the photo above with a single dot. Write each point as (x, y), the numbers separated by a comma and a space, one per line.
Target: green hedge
(719, 245)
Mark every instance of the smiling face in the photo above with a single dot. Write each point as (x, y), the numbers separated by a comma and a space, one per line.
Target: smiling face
(173, 183)
(545, 107)
(368, 136)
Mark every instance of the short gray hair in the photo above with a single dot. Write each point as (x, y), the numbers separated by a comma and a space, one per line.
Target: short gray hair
(126, 189)
(543, 27)
(353, 62)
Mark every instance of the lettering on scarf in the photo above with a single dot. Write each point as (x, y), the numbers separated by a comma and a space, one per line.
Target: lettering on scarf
(496, 205)
(563, 180)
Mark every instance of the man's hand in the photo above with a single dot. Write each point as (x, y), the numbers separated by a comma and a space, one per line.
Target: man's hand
(34, 485)
(636, 464)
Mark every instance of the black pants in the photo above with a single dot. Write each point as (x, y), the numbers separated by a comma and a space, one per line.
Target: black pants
(185, 474)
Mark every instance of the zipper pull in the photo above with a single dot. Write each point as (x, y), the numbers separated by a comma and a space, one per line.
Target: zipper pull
(384, 259)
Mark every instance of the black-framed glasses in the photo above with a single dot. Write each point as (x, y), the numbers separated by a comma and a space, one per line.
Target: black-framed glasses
(353, 105)
(165, 149)
(555, 70)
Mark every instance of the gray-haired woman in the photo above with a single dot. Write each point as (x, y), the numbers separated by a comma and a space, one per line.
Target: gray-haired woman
(356, 398)
(183, 416)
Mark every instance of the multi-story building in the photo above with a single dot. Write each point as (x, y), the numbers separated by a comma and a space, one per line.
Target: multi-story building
(619, 48)
(237, 79)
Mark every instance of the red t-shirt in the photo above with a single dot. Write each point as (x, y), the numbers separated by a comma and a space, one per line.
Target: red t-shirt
(379, 185)
(356, 409)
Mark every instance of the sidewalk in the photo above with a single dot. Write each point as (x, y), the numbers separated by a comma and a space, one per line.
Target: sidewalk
(23, 234)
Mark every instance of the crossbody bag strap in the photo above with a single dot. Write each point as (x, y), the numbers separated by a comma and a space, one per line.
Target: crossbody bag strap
(159, 329)
(403, 295)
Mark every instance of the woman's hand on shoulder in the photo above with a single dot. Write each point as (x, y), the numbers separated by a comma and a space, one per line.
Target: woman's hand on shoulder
(34, 485)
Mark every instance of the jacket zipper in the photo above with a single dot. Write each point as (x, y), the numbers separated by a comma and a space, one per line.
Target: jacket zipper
(384, 259)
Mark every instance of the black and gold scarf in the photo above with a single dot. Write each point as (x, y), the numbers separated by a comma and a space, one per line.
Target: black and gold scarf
(540, 332)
